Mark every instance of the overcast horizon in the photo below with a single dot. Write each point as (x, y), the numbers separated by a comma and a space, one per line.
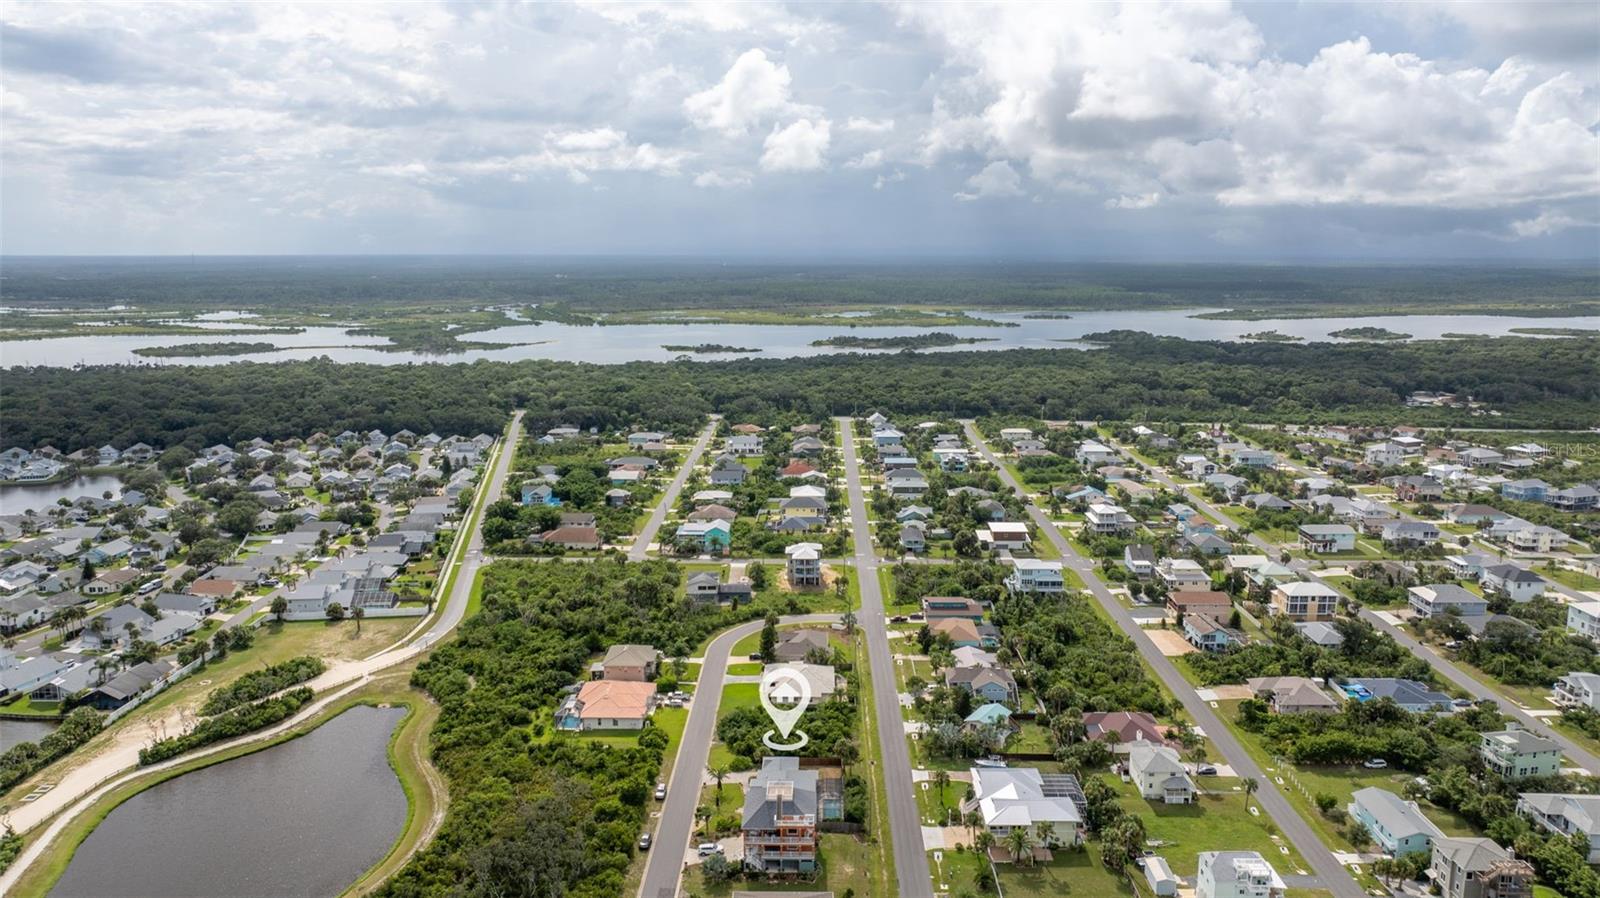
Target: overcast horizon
(1245, 134)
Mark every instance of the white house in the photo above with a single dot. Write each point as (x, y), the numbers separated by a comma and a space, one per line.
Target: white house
(1035, 575)
(1569, 815)
(1579, 689)
(1583, 618)
(1011, 798)
(1236, 874)
(1159, 774)
(1010, 535)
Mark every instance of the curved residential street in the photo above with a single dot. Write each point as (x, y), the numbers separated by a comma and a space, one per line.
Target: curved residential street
(1329, 872)
(665, 865)
(118, 764)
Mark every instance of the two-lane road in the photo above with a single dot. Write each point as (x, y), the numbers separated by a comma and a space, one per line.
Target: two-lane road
(905, 822)
(1329, 872)
(670, 498)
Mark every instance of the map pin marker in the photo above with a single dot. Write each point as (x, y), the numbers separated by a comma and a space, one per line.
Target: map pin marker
(785, 695)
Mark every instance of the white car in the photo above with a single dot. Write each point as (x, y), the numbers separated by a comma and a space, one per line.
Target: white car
(1375, 763)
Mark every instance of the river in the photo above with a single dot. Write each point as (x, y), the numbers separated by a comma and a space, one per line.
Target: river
(40, 497)
(615, 344)
(302, 818)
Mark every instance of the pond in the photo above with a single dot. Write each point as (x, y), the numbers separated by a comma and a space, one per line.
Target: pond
(15, 731)
(41, 497)
(302, 818)
(617, 344)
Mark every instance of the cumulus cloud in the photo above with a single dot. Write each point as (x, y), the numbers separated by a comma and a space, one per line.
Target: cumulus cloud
(802, 146)
(869, 159)
(996, 180)
(722, 179)
(753, 88)
(869, 125)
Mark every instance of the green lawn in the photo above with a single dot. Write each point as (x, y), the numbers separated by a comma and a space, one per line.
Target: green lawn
(739, 695)
(935, 813)
(745, 669)
(1077, 874)
(1566, 577)
(847, 863)
(1216, 822)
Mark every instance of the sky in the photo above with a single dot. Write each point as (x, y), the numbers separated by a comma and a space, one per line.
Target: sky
(1193, 131)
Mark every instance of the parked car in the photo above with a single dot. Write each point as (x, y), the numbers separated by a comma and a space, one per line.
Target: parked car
(644, 842)
(1375, 763)
(898, 619)
(709, 848)
(661, 791)
(1206, 770)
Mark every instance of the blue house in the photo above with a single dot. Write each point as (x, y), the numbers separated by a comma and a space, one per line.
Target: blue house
(713, 536)
(537, 492)
(1525, 490)
(1397, 826)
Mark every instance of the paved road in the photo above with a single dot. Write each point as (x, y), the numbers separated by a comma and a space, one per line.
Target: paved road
(1332, 875)
(118, 763)
(670, 497)
(676, 823)
(1443, 666)
(905, 822)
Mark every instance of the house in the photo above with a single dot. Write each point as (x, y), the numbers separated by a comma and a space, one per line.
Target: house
(607, 705)
(1033, 575)
(1384, 455)
(797, 470)
(1518, 754)
(645, 437)
(1397, 826)
(797, 645)
(992, 684)
(1124, 729)
(1200, 601)
(886, 438)
(1302, 600)
(702, 587)
(1159, 774)
(537, 492)
(803, 507)
(1468, 567)
(727, 471)
(1183, 574)
(990, 716)
(937, 608)
(966, 632)
(130, 684)
(1324, 538)
(1209, 634)
(803, 564)
(1446, 598)
(1514, 582)
(1582, 497)
(114, 629)
(824, 683)
(1140, 560)
(1417, 488)
(779, 823)
(1568, 815)
(1473, 514)
(1292, 695)
(1009, 798)
(710, 536)
(1409, 533)
(1583, 618)
(906, 483)
(1478, 868)
(1093, 453)
(1009, 535)
(1536, 538)
(1104, 517)
(1014, 434)
(1266, 502)
(914, 538)
(635, 663)
(1579, 689)
(807, 447)
(1228, 484)
(1479, 457)
(1236, 874)
(1411, 695)
(1531, 490)
(571, 537)
(179, 603)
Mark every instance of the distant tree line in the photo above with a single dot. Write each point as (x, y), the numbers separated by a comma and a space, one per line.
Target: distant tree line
(1531, 383)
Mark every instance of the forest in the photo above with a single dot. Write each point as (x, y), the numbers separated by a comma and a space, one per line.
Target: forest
(354, 286)
(1528, 382)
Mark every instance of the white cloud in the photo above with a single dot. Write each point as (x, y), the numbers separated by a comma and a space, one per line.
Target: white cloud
(869, 159)
(869, 125)
(1547, 222)
(998, 179)
(722, 179)
(802, 146)
(893, 177)
(1142, 201)
(753, 88)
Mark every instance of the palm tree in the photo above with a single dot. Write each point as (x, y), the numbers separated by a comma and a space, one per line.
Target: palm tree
(719, 771)
(1250, 787)
(358, 612)
(1020, 843)
(983, 842)
(941, 781)
(973, 820)
(1044, 832)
